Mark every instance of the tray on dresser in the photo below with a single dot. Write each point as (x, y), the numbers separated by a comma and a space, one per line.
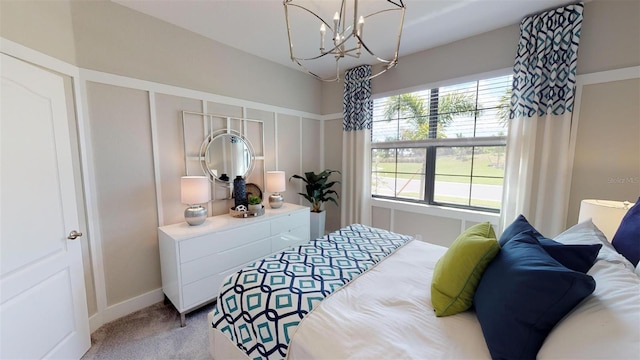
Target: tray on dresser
(242, 212)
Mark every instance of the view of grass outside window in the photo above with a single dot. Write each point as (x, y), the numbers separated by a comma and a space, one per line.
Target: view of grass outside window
(442, 146)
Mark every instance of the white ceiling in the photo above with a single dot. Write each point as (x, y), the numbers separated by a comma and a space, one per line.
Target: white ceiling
(258, 26)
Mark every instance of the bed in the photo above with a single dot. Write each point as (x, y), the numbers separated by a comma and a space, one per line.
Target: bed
(380, 305)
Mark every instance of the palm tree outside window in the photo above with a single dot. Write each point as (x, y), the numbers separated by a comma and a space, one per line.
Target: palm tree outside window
(442, 146)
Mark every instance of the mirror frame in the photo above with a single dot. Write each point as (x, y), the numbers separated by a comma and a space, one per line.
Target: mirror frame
(204, 148)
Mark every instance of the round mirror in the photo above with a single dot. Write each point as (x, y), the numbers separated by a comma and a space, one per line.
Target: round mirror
(227, 155)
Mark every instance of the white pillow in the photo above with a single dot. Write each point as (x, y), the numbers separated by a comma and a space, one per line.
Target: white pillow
(605, 324)
(638, 270)
(586, 233)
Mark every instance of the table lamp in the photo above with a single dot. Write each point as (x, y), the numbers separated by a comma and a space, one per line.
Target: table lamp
(194, 191)
(275, 184)
(605, 214)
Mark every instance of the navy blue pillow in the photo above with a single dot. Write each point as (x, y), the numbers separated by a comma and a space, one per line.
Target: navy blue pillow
(522, 295)
(575, 257)
(519, 225)
(627, 238)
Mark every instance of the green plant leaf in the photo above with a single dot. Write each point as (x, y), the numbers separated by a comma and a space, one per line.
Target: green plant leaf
(318, 188)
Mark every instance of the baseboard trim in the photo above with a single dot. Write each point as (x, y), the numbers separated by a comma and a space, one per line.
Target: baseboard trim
(116, 311)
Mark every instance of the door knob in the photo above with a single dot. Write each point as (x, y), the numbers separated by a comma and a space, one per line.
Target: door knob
(74, 234)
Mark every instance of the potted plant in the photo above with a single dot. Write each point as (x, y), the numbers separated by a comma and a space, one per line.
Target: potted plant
(255, 203)
(318, 191)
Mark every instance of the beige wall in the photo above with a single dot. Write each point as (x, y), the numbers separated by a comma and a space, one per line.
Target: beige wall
(610, 40)
(333, 160)
(121, 128)
(607, 159)
(434, 229)
(104, 36)
(125, 190)
(112, 38)
(486, 52)
(607, 155)
(45, 26)
(610, 36)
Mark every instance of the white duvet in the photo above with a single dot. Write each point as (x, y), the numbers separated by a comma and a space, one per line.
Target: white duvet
(386, 313)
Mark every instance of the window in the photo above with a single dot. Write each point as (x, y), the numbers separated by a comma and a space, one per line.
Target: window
(443, 146)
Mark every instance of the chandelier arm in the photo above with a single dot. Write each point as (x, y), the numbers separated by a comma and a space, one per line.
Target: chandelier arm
(307, 10)
(349, 53)
(376, 56)
(286, 15)
(339, 42)
(337, 77)
(400, 31)
(400, 4)
(355, 15)
(343, 13)
(313, 74)
(394, 61)
(382, 11)
(334, 51)
(316, 57)
(380, 73)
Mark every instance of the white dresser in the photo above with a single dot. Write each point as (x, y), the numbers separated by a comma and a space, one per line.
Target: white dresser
(196, 259)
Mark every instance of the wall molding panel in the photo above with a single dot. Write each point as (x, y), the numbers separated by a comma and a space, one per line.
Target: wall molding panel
(132, 83)
(35, 57)
(80, 78)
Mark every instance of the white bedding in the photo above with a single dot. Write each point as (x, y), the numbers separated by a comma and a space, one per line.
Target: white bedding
(386, 314)
(606, 325)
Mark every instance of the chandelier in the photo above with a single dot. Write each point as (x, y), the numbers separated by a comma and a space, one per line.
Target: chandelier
(342, 37)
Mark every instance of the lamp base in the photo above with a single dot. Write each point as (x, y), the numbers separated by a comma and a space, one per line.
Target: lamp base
(195, 215)
(276, 200)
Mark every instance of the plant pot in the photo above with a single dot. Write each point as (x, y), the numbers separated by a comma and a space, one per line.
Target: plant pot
(317, 224)
(254, 208)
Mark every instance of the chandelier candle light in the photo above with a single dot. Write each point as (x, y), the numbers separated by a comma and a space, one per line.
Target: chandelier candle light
(347, 38)
(194, 191)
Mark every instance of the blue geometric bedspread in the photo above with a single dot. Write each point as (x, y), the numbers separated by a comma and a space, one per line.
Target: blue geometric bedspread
(260, 306)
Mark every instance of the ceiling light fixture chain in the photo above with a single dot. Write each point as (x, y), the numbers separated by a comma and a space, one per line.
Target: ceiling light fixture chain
(343, 36)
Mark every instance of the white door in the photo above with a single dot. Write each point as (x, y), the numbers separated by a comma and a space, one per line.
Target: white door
(43, 308)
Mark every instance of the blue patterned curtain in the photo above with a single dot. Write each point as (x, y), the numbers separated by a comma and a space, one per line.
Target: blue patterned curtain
(357, 103)
(544, 78)
(356, 147)
(536, 177)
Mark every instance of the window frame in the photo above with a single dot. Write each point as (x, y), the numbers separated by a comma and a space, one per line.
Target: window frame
(432, 144)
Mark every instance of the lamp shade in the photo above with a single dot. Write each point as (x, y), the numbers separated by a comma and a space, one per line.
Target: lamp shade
(605, 214)
(276, 181)
(195, 190)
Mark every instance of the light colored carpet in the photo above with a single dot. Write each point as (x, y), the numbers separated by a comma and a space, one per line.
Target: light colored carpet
(153, 333)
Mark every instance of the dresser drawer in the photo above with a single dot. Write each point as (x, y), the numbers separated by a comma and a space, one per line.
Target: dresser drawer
(205, 289)
(289, 221)
(201, 291)
(217, 263)
(294, 237)
(224, 240)
(195, 260)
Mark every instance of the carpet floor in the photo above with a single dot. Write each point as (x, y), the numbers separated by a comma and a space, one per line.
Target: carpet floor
(153, 333)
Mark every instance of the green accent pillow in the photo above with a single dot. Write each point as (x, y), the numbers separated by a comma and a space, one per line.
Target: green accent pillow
(458, 272)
